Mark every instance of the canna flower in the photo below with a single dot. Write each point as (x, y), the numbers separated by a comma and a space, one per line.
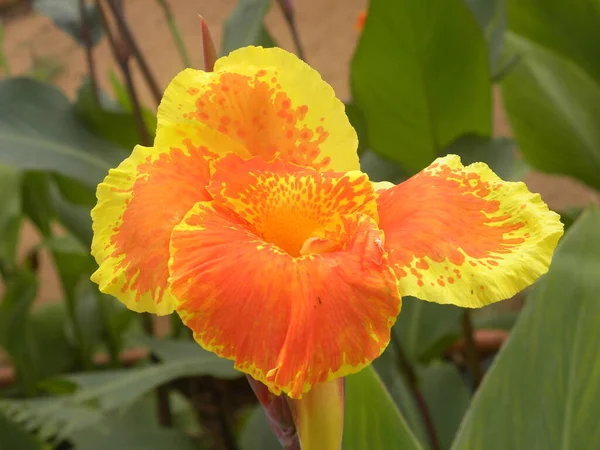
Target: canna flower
(250, 218)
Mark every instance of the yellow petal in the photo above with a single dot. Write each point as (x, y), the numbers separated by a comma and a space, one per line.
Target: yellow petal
(139, 203)
(461, 235)
(269, 101)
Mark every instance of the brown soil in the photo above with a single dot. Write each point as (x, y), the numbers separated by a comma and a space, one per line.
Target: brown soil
(326, 28)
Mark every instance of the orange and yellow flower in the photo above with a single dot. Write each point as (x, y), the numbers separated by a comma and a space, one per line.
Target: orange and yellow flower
(251, 219)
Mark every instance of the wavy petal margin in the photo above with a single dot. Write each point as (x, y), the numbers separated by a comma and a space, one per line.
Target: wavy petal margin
(288, 322)
(463, 236)
(139, 203)
(269, 101)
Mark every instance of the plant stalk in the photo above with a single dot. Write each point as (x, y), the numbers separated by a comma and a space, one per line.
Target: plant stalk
(405, 367)
(473, 361)
(88, 44)
(175, 33)
(121, 54)
(135, 50)
(288, 14)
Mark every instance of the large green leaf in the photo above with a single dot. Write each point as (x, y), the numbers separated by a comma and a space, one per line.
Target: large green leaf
(102, 393)
(245, 26)
(425, 329)
(491, 16)
(37, 203)
(13, 437)
(420, 75)
(10, 216)
(16, 332)
(498, 153)
(134, 428)
(372, 420)
(553, 106)
(447, 398)
(569, 28)
(66, 16)
(39, 131)
(388, 369)
(106, 118)
(542, 390)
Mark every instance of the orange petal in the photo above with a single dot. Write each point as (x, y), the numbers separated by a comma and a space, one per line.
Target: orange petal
(288, 204)
(139, 203)
(268, 101)
(461, 235)
(289, 322)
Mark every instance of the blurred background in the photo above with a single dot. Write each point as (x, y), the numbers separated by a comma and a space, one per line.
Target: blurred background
(63, 344)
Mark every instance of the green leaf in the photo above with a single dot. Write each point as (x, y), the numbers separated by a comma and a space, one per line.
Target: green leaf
(74, 191)
(39, 131)
(553, 107)
(421, 77)
(388, 369)
(256, 434)
(134, 428)
(498, 153)
(122, 99)
(357, 120)
(16, 331)
(37, 203)
(74, 266)
(13, 437)
(103, 393)
(541, 391)
(76, 219)
(499, 320)
(66, 16)
(447, 398)
(491, 16)
(106, 119)
(567, 28)
(569, 216)
(55, 352)
(245, 26)
(425, 329)
(372, 420)
(10, 217)
(381, 169)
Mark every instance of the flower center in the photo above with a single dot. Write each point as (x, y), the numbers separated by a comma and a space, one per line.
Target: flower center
(289, 227)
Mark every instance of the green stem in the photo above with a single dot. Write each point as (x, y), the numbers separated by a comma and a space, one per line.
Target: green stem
(174, 29)
(473, 360)
(407, 369)
(288, 14)
(89, 57)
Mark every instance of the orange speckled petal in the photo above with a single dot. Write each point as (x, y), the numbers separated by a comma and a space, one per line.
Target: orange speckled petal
(269, 101)
(288, 204)
(288, 322)
(461, 235)
(139, 203)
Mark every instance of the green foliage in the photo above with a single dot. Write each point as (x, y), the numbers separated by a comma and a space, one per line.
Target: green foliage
(245, 26)
(39, 131)
(424, 329)
(421, 87)
(553, 106)
(99, 394)
(421, 77)
(132, 428)
(541, 390)
(372, 421)
(14, 437)
(67, 16)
